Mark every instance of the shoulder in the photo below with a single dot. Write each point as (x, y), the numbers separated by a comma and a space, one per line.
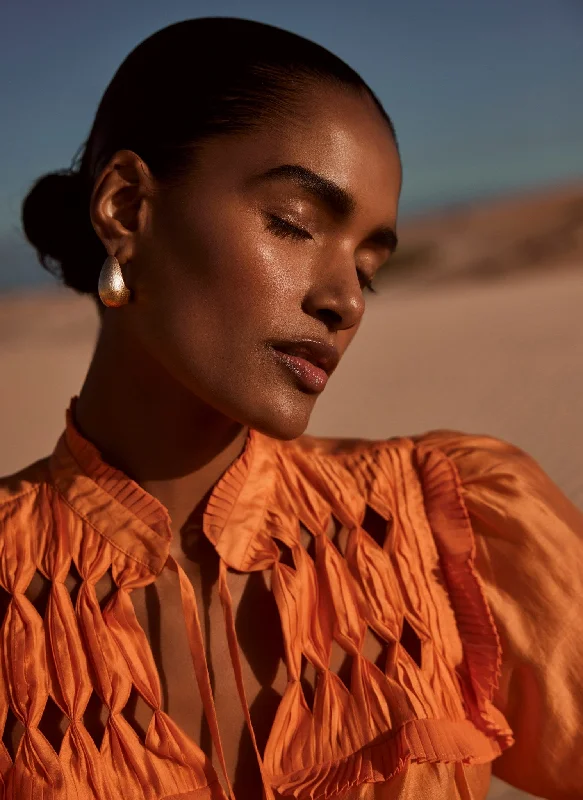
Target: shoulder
(438, 467)
(343, 450)
(475, 454)
(480, 469)
(521, 521)
(472, 455)
(452, 442)
(497, 475)
(19, 491)
(362, 466)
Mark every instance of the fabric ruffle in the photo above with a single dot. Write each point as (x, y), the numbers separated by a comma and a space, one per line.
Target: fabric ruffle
(451, 526)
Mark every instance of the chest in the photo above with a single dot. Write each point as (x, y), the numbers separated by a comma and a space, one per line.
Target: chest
(326, 643)
(260, 652)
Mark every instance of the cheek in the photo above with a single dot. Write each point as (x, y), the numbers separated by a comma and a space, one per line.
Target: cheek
(231, 257)
(212, 279)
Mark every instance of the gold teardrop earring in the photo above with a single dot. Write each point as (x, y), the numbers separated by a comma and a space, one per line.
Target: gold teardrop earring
(112, 288)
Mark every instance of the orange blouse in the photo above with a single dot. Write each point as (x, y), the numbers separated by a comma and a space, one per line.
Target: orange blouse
(480, 561)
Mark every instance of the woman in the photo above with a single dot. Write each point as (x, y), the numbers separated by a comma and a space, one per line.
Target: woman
(202, 602)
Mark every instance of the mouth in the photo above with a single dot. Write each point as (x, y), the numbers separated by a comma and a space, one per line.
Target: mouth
(311, 361)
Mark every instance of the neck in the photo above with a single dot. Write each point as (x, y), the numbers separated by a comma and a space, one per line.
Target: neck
(152, 428)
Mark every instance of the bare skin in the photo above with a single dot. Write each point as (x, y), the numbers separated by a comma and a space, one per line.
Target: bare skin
(181, 372)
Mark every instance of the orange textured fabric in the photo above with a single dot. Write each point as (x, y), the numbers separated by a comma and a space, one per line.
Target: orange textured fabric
(480, 562)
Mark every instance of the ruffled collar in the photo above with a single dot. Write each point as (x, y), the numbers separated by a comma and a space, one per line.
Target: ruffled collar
(138, 524)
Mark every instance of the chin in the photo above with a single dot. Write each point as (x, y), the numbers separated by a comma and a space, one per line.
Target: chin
(285, 420)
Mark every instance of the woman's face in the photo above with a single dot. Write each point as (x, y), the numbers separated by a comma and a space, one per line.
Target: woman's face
(248, 279)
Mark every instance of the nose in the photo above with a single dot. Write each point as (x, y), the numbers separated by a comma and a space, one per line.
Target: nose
(336, 300)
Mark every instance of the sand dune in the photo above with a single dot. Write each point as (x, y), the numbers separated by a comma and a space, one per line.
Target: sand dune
(489, 241)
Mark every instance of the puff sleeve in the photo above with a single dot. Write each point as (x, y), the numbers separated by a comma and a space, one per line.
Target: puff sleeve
(529, 557)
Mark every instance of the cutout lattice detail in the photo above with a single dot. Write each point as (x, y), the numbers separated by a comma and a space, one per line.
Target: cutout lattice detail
(53, 724)
(341, 664)
(105, 588)
(38, 592)
(308, 681)
(12, 734)
(375, 649)
(411, 642)
(5, 598)
(338, 535)
(95, 718)
(138, 713)
(376, 526)
(285, 554)
(73, 583)
(308, 542)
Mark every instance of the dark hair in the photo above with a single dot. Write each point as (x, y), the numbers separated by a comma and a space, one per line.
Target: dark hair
(186, 83)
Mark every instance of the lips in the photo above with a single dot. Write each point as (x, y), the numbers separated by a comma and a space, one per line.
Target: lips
(309, 361)
(316, 351)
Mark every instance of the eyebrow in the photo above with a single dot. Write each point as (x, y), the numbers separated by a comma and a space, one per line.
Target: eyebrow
(338, 200)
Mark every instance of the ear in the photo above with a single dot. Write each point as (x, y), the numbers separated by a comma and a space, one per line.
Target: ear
(120, 203)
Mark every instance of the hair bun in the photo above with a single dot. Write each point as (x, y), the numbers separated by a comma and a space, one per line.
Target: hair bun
(55, 219)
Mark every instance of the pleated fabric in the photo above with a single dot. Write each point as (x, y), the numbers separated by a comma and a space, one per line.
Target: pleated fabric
(482, 645)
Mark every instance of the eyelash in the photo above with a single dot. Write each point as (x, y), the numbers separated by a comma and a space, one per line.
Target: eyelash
(284, 229)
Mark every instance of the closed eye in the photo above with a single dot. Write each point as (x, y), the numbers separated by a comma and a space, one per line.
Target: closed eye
(283, 228)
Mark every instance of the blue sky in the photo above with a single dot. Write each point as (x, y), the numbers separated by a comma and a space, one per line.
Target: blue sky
(486, 95)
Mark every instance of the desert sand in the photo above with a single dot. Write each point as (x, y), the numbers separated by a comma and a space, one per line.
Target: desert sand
(462, 334)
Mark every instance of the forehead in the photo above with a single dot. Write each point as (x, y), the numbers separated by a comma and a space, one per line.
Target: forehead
(342, 135)
(341, 126)
(337, 133)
